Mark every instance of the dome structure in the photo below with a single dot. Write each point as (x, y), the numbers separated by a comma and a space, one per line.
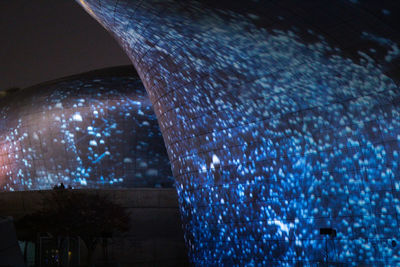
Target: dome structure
(280, 118)
(92, 130)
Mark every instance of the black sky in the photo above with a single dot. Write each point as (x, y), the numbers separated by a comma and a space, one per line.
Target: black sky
(43, 40)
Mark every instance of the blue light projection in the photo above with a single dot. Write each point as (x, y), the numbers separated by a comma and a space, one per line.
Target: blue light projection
(279, 119)
(92, 130)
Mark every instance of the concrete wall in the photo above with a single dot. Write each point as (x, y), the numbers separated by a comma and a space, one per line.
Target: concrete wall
(155, 238)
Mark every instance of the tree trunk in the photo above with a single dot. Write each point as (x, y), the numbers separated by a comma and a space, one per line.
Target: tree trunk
(90, 245)
(26, 253)
(105, 250)
(59, 240)
(90, 257)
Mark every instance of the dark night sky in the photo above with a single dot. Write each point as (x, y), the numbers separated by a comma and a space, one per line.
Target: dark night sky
(48, 39)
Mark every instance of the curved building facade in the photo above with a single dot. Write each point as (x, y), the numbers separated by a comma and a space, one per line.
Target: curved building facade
(93, 130)
(279, 119)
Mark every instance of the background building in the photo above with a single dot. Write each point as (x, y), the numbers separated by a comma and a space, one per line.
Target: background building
(92, 130)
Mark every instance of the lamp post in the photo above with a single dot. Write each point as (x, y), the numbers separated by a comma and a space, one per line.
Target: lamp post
(327, 232)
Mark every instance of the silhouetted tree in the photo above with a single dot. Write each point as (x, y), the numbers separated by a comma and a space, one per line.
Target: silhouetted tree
(28, 228)
(92, 217)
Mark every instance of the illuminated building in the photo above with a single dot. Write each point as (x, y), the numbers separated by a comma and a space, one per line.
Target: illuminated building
(279, 119)
(93, 130)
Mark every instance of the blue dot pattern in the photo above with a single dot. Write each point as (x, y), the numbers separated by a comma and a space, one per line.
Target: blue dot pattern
(86, 131)
(279, 119)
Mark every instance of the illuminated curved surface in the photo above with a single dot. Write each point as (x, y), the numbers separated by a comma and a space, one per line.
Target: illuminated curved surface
(278, 118)
(93, 130)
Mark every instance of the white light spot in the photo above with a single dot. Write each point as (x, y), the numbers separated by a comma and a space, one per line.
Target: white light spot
(128, 160)
(77, 117)
(93, 143)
